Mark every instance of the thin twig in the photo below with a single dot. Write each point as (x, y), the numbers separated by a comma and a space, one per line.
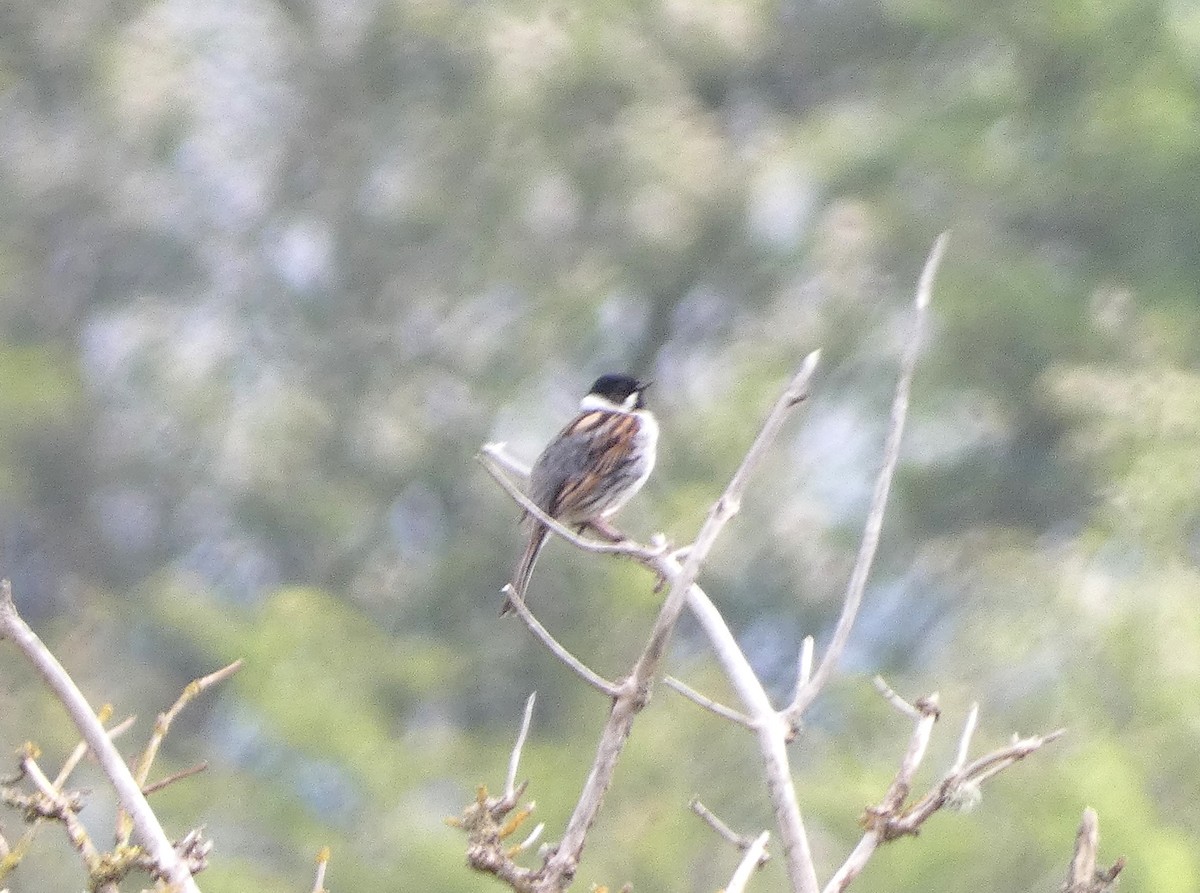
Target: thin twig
(894, 699)
(741, 841)
(167, 862)
(514, 761)
(64, 810)
(560, 866)
(81, 749)
(753, 858)
(174, 777)
(918, 744)
(161, 727)
(804, 665)
(533, 837)
(874, 524)
(877, 817)
(1083, 876)
(586, 673)
(25, 841)
(322, 864)
(964, 741)
(707, 703)
(973, 773)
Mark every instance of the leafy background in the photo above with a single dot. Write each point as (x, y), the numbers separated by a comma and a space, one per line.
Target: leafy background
(271, 271)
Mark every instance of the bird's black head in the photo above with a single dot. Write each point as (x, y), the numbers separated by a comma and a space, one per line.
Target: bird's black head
(619, 388)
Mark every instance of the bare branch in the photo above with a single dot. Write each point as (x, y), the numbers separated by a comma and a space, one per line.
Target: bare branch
(533, 836)
(773, 732)
(167, 862)
(918, 743)
(883, 483)
(81, 749)
(514, 761)
(161, 727)
(1087, 847)
(877, 817)
(63, 808)
(749, 864)
(1083, 876)
(488, 824)
(706, 702)
(26, 840)
(680, 568)
(167, 780)
(986, 766)
(892, 818)
(322, 864)
(741, 841)
(973, 773)
(964, 742)
(894, 699)
(560, 866)
(804, 665)
(193, 849)
(586, 673)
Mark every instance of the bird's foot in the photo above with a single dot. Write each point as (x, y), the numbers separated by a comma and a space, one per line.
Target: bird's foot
(606, 531)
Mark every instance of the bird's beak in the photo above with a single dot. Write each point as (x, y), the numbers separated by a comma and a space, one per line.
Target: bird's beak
(642, 385)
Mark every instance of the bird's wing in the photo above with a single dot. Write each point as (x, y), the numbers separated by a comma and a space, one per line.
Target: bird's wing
(568, 475)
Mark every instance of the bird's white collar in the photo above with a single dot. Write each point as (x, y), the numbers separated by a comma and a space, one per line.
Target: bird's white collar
(594, 402)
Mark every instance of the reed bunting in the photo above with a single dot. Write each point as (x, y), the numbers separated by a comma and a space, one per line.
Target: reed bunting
(591, 468)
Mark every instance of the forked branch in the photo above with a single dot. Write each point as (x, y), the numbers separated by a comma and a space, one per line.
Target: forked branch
(894, 816)
(634, 691)
(774, 728)
(1083, 876)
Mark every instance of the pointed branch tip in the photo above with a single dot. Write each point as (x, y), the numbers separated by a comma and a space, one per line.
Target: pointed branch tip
(932, 262)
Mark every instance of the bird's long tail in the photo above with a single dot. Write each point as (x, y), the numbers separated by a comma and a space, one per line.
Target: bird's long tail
(524, 569)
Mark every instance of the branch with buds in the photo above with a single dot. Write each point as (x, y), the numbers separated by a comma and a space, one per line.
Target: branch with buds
(175, 863)
(894, 816)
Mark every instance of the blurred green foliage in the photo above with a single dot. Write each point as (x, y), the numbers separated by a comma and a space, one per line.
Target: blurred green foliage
(271, 272)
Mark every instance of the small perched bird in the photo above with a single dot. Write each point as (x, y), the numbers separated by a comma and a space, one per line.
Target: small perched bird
(591, 468)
